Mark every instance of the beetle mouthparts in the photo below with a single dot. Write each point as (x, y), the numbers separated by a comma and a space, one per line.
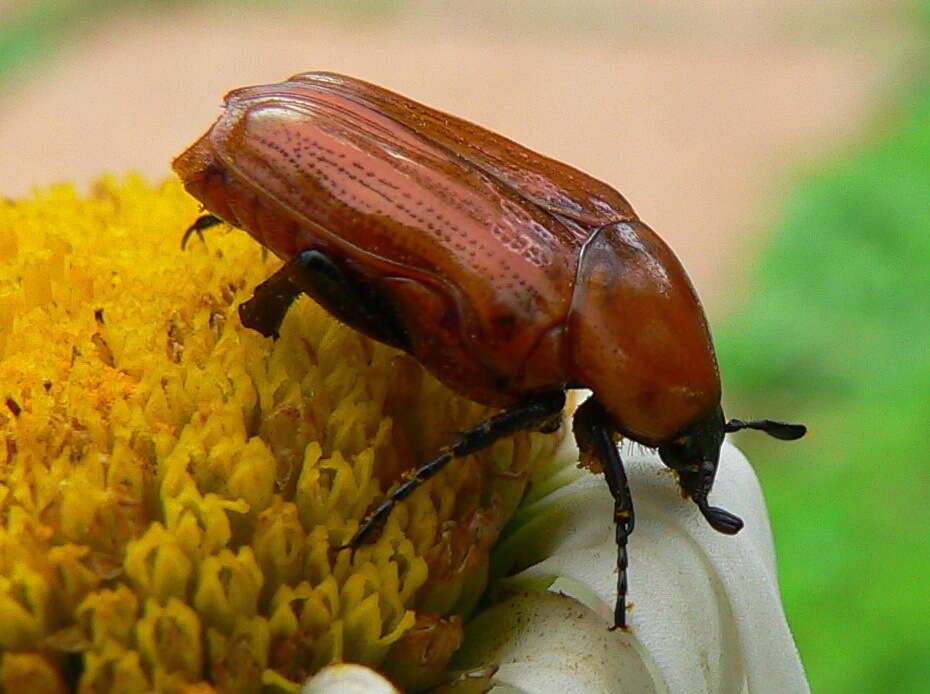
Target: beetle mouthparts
(720, 520)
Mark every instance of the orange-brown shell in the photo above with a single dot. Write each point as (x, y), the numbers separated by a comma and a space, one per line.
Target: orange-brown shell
(638, 336)
(474, 240)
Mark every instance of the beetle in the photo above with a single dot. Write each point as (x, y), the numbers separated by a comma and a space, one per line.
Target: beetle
(508, 275)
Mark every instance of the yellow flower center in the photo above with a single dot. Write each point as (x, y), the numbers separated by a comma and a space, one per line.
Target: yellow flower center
(174, 489)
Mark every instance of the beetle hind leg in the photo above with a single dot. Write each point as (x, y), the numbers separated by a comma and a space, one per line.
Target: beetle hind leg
(594, 434)
(536, 413)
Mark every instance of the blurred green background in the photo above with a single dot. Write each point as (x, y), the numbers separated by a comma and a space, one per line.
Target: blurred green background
(838, 323)
(827, 321)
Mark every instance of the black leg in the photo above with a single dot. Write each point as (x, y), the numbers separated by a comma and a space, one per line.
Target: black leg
(537, 413)
(594, 434)
(265, 311)
(204, 221)
(350, 299)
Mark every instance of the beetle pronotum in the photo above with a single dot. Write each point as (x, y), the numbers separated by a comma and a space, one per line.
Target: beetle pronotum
(508, 275)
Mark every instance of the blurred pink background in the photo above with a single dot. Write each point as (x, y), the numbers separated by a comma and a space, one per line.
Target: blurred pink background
(700, 115)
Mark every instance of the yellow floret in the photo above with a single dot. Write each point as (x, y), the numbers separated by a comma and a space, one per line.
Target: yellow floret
(175, 489)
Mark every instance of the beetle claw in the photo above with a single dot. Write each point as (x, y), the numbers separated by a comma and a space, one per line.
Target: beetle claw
(204, 221)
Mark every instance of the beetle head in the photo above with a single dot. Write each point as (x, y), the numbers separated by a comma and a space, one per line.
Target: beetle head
(696, 443)
(694, 452)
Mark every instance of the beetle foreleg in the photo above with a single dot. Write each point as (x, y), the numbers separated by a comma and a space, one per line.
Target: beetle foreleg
(594, 434)
(538, 412)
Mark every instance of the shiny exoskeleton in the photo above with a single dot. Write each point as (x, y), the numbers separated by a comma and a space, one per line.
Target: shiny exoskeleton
(510, 276)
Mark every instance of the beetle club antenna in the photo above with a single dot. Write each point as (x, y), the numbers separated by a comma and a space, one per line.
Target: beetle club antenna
(780, 430)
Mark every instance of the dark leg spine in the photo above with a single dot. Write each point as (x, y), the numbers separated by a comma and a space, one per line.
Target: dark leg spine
(537, 413)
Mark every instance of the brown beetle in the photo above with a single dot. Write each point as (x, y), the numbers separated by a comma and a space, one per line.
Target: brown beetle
(510, 276)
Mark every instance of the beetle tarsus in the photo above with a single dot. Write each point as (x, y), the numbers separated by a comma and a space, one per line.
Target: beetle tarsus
(204, 221)
(527, 416)
(594, 432)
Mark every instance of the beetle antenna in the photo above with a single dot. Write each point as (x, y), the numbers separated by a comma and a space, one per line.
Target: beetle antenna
(780, 430)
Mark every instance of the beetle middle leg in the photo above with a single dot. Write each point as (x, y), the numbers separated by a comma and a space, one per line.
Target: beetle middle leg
(594, 434)
(538, 413)
(314, 273)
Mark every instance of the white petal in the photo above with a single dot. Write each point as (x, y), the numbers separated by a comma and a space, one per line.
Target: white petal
(542, 643)
(707, 615)
(347, 678)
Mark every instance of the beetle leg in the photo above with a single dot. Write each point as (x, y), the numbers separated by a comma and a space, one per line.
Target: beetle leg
(270, 301)
(536, 413)
(315, 274)
(594, 434)
(204, 221)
